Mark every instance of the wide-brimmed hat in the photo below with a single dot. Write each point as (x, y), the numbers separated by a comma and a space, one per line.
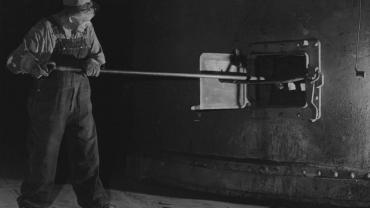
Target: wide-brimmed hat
(75, 3)
(80, 5)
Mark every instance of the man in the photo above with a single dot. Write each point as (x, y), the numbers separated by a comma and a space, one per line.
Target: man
(59, 105)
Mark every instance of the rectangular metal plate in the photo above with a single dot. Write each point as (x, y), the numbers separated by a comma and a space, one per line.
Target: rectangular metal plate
(220, 95)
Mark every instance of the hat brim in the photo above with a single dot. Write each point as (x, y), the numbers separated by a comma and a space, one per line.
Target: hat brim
(85, 7)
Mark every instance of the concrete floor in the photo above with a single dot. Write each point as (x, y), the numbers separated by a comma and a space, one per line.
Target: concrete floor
(127, 193)
(124, 192)
(9, 190)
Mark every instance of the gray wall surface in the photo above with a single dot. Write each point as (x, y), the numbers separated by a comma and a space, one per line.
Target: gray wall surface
(170, 35)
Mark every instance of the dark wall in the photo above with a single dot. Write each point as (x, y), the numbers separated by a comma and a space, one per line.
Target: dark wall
(15, 20)
(111, 95)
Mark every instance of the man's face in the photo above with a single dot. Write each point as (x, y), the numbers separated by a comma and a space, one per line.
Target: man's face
(83, 18)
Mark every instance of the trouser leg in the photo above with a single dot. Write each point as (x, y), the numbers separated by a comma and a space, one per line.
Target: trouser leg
(84, 157)
(45, 134)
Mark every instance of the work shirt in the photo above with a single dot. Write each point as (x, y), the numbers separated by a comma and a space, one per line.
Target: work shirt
(40, 42)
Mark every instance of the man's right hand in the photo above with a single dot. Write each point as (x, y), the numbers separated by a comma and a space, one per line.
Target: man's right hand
(37, 71)
(31, 66)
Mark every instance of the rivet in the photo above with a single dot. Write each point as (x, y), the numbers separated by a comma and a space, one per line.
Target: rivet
(336, 174)
(319, 173)
(304, 172)
(299, 115)
(352, 175)
(367, 175)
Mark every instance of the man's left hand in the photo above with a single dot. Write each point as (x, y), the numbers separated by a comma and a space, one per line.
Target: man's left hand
(92, 67)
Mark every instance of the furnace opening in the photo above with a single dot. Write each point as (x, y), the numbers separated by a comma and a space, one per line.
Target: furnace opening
(278, 67)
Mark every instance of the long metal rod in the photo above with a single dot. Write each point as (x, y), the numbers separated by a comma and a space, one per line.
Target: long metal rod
(236, 78)
(159, 74)
(184, 75)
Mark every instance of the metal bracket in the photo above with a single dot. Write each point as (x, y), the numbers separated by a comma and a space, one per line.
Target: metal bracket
(314, 80)
(311, 49)
(221, 94)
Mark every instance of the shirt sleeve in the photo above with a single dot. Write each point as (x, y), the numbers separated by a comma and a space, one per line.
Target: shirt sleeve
(96, 51)
(38, 44)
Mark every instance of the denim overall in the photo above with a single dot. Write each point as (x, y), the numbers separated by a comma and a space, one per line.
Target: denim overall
(59, 107)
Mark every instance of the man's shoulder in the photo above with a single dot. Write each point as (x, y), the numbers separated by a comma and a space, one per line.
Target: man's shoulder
(89, 27)
(43, 25)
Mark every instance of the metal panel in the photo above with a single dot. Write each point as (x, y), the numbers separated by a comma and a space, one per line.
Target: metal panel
(314, 77)
(220, 95)
(339, 139)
